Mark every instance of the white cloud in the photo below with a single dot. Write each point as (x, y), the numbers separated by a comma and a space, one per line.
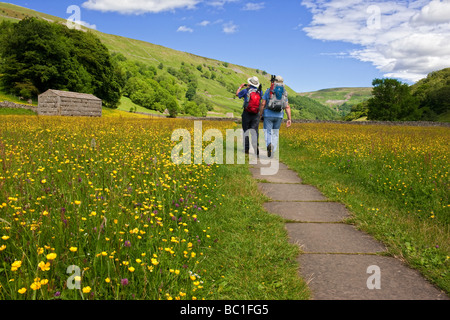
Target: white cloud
(139, 6)
(230, 27)
(254, 6)
(435, 12)
(204, 23)
(219, 3)
(403, 39)
(185, 29)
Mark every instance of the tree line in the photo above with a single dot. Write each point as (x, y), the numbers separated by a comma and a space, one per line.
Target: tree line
(394, 100)
(36, 55)
(310, 109)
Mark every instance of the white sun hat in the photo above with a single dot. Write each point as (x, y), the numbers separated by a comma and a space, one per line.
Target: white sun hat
(253, 81)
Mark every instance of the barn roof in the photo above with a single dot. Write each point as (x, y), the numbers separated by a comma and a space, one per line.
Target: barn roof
(69, 94)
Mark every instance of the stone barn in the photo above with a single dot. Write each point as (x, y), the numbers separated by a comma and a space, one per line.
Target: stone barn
(65, 103)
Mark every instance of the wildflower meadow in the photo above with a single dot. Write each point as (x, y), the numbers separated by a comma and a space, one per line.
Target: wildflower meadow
(94, 208)
(394, 180)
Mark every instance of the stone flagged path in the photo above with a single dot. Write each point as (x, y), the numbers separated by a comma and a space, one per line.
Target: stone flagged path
(338, 261)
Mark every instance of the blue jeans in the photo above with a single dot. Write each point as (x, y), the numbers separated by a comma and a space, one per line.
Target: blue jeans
(271, 130)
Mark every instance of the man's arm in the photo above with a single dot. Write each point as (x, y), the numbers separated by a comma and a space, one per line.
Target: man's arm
(261, 108)
(263, 103)
(288, 112)
(239, 90)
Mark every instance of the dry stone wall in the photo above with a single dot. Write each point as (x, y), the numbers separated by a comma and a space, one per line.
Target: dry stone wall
(12, 105)
(385, 123)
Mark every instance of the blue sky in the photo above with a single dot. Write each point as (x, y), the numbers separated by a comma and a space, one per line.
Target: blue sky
(313, 44)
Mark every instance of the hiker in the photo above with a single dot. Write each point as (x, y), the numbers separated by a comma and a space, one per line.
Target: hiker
(274, 104)
(250, 116)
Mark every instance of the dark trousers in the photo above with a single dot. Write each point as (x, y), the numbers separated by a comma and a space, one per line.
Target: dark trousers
(250, 121)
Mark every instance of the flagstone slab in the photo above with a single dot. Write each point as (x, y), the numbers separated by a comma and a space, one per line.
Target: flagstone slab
(346, 277)
(267, 163)
(308, 211)
(332, 238)
(277, 176)
(291, 192)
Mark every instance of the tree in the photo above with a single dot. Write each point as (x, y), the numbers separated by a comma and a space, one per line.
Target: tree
(194, 109)
(38, 55)
(34, 56)
(436, 102)
(172, 107)
(392, 101)
(191, 92)
(357, 111)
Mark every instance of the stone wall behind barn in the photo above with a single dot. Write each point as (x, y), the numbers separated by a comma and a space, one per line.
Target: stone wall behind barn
(12, 105)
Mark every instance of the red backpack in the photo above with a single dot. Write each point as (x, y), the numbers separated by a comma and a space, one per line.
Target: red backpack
(253, 100)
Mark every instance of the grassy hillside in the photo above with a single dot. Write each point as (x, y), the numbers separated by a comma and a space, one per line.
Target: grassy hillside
(219, 91)
(339, 96)
(340, 99)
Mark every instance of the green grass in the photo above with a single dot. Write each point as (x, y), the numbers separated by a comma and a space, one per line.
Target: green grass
(127, 105)
(445, 117)
(254, 260)
(9, 97)
(15, 111)
(393, 180)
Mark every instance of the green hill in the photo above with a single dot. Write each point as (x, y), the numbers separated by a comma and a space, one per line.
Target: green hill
(340, 99)
(216, 81)
(339, 96)
(434, 95)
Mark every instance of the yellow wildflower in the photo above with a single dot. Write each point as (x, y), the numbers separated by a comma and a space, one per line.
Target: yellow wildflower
(86, 289)
(51, 256)
(44, 266)
(16, 265)
(35, 286)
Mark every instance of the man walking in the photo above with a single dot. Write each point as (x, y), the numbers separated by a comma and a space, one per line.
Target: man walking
(250, 116)
(274, 104)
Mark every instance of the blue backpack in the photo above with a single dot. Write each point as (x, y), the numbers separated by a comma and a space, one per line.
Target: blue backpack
(278, 98)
